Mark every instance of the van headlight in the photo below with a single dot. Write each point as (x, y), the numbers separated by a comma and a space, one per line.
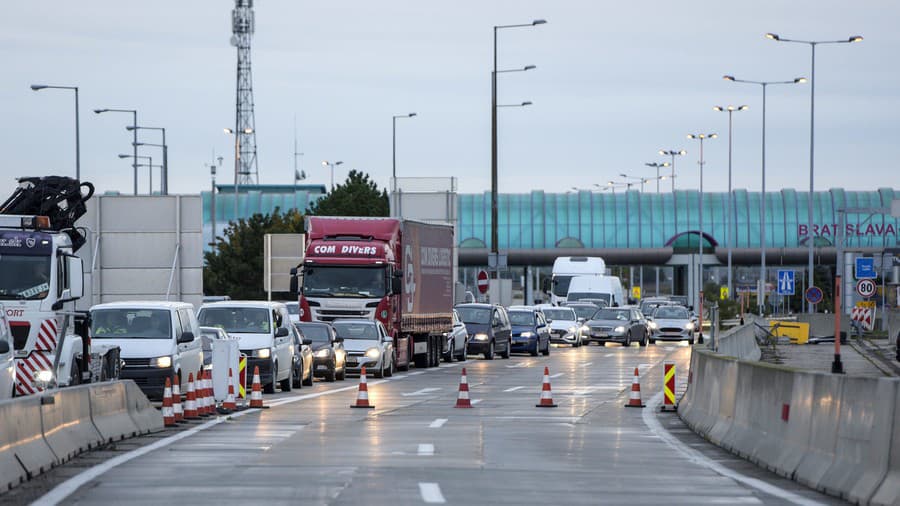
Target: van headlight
(262, 353)
(161, 362)
(481, 337)
(373, 353)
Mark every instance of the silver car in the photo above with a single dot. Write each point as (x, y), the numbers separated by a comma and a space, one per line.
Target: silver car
(457, 343)
(367, 345)
(671, 323)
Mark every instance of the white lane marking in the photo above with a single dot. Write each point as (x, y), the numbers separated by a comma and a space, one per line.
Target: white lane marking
(698, 458)
(513, 389)
(431, 493)
(437, 423)
(608, 355)
(557, 375)
(517, 366)
(644, 366)
(426, 449)
(415, 373)
(475, 401)
(587, 364)
(420, 392)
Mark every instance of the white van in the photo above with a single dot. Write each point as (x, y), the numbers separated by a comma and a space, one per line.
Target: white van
(606, 289)
(565, 268)
(262, 328)
(157, 340)
(7, 362)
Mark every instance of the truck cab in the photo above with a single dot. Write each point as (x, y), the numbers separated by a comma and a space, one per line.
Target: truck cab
(7, 362)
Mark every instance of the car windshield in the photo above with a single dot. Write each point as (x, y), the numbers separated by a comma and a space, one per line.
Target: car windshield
(243, 320)
(479, 315)
(24, 277)
(671, 313)
(356, 330)
(521, 317)
(559, 314)
(363, 282)
(611, 314)
(601, 297)
(317, 333)
(123, 323)
(584, 312)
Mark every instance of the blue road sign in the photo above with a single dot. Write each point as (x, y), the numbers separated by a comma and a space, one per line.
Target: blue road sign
(814, 295)
(785, 282)
(865, 268)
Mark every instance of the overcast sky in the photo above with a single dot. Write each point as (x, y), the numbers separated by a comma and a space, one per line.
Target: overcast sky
(615, 82)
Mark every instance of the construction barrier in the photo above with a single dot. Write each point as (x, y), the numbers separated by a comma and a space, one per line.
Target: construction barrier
(740, 342)
(797, 332)
(225, 355)
(145, 417)
(66, 422)
(889, 492)
(23, 451)
(669, 402)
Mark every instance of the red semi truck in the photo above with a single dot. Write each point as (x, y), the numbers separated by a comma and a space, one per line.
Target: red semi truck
(399, 272)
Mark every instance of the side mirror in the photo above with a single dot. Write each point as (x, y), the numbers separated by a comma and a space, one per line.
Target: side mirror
(396, 285)
(281, 332)
(690, 308)
(388, 339)
(186, 337)
(4, 347)
(76, 277)
(294, 283)
(549, 320)
(339, 339)
(307, 341)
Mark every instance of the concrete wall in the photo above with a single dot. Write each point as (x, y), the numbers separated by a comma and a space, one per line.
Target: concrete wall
(740, 342)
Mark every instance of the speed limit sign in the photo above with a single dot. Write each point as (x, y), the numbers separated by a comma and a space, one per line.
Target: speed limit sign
(866, 288)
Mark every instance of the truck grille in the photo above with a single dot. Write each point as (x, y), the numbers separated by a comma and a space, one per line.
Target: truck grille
(329, 315)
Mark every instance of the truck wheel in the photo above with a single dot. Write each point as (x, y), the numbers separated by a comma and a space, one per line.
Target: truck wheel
(505, 353)
(75, 374)
(421, 361)
(489, 354)
(269, 388)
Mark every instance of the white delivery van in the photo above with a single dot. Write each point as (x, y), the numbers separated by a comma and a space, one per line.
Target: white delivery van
(566, 268)
(600, 289)
(157, 340)
(7, 362)
(262, 328)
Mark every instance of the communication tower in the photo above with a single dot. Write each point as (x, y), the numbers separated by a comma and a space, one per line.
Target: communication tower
(242, 28)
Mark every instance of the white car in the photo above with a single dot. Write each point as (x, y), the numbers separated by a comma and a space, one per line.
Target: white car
(367, 345)
(457, 343)
(7, 364)
(564, 326)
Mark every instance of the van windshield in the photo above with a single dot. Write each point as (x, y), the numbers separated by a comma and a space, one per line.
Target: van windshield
(243, 320)
(131, 323)
(576, 296)
(474, 315)
(561, 285)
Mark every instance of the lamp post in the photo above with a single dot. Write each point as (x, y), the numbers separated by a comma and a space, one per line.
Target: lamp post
(701, 138)
(394, 151)
(149, 165)
(729, 226)
(164, 173)
(134, 140)
(38, 87)
(212, 204)
(326, 163)
(812, 130)
(673, 153)
(163, 166)
(659, 178)
(494, 240)
(237, 161)
(762, 208)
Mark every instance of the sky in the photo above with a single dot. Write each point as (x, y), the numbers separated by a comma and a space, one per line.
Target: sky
(615, 82)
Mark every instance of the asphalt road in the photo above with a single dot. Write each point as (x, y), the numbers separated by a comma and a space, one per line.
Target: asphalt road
(415, 448)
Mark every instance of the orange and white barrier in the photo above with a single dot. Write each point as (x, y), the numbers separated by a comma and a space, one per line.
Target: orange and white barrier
(546, 394)
(669, 403)
(229, 405)
(362, 395)
(176, 399)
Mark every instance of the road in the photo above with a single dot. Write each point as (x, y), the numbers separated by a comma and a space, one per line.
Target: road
(415, 448)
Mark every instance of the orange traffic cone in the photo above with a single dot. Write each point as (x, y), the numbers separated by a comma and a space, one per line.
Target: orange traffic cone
(176, 399)
(190, 404)
(362, 395)
(256, 392)
(634, 400)
(210, 395)
(167, 412)
(229, 405)
(546, 394)
(462, 399)
(201, 394)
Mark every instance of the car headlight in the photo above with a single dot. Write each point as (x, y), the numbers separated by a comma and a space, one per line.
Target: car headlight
(373, 353)
(653, 325)
(572, 330)
(481, 337)
(262, 353)
(527, 334)
(620, 329)
(161, 362)
(323, 353)
(689, 326)
(585, 328)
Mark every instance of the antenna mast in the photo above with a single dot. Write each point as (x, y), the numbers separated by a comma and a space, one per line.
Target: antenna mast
(242, 28)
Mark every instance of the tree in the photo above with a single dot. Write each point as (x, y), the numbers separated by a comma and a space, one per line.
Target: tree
(358, 196)
(235, 266)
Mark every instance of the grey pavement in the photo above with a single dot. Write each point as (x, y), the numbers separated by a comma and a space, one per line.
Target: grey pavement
(819, 357)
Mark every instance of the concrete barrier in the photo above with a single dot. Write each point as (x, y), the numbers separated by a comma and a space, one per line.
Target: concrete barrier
(66, 422)
(740, 342)
(146, 418)
(889, 491)
(109, 411)
(22, 440)
(12, 417)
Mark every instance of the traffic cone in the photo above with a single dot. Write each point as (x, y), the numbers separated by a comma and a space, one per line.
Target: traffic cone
(634, 400)
(210, 395)
(167, 412)
(190, 404)
(362, 395)
(176, 400)
(229, 405)
(256, 393)
(462, 399)
(546, 394)
(202, 408)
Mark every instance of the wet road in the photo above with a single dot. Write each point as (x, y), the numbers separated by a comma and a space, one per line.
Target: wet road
(415, 448)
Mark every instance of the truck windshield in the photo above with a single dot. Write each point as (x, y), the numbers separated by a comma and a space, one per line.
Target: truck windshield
(243, 320)
(131, 323)
(561, 285)
(24, 277)
(326, 281)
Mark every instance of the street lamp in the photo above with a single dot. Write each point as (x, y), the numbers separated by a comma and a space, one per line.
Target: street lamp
(149, 165)
(729, 226)
(659, 178)
(164, 173)
(394, 121)
(326, 163)
(701, 138)
(762, 208)
(237, 161)
(494, 240)
(673, 153)
(133, 142)
(638, 179)
(812, 129)
(162, 167)
(38, 87)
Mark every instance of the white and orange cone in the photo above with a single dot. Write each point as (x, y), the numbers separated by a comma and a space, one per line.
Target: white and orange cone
(634, 399)
(167, 411)
(546, 393)
(256, 400)
(462, 399)
(201, 394)
(190, 403)
(210, 396)
(176, 400)
(362, 395)
(229, 405)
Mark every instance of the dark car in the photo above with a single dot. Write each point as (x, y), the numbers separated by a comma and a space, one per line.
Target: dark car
(329, 357)
(616, 324)
(530, 332)
(488, 327)
(303, 360)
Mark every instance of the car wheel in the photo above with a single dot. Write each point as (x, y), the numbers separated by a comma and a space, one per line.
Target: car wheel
(449, 356)
(270, 387)
(331, 375)
(489, 354)
(652, 341)
(287, 383)
(390, 370)
(643, 341)
(380, 372)
(547, 349)
(505, 353)
(537, 348)
(308, 381)
(628, 339)
(341, 376)
(75, 374)
(465, 352)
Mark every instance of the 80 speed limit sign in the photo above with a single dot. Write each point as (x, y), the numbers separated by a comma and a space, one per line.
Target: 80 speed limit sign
(866, 288)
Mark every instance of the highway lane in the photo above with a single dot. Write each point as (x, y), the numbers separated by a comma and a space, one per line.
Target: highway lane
(415, 448)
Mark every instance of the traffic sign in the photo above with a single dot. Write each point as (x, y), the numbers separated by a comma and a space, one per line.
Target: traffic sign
(865, 268)
(723, 292)
(785, 282)
(814, 295)
(866, 288)
(635, 292)
(482, 282)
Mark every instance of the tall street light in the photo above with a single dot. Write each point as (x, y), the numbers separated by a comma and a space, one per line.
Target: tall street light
(673, 153)
(164, 173)
(162, 167)
(494, 245)
(38, 87)
(237, 162)
(812, 129)
(133, 142)
(659, 178)
(701, 137)
(729, 226)
(638, 179)
(394, 121)
(149, 165)
(326, 163)
(761, 292)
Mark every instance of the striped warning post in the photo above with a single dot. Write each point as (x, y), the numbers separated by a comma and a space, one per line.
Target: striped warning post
(256, 400)
(190, 403)
(669, 403)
